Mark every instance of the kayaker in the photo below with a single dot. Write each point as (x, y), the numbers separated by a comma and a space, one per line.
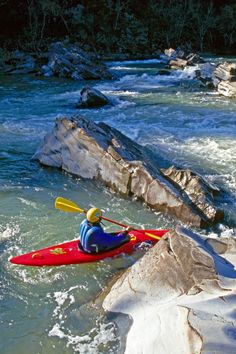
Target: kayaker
(93, 239)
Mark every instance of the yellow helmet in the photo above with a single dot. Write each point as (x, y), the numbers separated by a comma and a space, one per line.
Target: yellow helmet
(94, 215)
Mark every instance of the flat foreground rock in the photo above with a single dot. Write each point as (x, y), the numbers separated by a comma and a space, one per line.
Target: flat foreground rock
(180, 297)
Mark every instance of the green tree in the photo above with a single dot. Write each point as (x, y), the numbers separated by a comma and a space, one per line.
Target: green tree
(203, 19)
(227, 24)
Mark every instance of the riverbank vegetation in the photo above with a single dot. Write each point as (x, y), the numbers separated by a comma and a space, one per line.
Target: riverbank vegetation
(120, 26)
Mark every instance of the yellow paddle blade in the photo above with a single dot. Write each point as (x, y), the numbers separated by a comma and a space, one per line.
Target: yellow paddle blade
(153, 236)
(67, 205)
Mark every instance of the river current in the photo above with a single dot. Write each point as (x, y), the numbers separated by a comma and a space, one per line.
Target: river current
(53, 310)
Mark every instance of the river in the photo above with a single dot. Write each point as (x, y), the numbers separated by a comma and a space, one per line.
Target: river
(52, 310)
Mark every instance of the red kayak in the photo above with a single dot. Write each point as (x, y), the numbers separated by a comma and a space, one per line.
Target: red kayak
(70, 253)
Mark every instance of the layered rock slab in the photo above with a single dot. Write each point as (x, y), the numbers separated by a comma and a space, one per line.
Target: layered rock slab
(98, 151)
(180, 297)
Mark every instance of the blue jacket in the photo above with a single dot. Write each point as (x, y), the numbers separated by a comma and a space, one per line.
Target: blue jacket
(93, 238)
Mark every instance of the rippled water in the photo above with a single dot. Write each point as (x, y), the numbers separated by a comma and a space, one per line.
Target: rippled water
(52, 310)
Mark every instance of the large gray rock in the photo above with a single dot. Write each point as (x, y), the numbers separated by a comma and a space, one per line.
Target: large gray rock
(227, 88)
(70, 61)
(98, 151)
(226, 71)
(180, 297)
(90, 98)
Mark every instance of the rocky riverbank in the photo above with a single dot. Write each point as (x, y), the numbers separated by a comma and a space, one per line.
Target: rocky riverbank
(221, 77)
(67, 60)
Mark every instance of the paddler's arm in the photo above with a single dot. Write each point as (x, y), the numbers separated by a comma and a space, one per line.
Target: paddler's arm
(104, 239)
(125, 233)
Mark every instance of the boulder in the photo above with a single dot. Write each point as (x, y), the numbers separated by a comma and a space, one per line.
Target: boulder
(171, 53)
(179, 59)
(63, 59)
(90, 98)
(226, 71)
(194, 59)
(70, 61)
(180, 296)
(227, 88)
(98, 151)
(178, 63)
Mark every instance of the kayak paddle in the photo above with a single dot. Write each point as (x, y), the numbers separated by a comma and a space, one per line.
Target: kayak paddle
(69, 206)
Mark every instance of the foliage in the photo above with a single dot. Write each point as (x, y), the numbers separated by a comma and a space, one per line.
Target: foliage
(110, 26)
(227, 24)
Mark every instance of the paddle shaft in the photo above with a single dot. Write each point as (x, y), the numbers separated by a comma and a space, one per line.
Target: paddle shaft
(69, 206)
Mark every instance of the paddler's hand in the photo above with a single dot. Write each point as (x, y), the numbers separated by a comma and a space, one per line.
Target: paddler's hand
(128, 229)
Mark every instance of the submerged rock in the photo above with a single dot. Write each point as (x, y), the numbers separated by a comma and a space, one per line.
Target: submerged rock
(98, 151)
(163, 72)
(90, 98)
(180, 297)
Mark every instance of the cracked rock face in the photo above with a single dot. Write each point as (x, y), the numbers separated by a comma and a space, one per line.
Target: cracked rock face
(98, 151)
(200, 192)
(178, 296)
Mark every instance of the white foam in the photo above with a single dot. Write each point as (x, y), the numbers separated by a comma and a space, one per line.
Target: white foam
(88, 343)
(28, 203)
(61, 297)
(9, 230)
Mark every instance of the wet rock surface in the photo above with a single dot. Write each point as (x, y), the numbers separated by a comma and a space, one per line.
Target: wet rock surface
(90, 98)
(98, 151)
(225, 73)
(183, 288)
(227, 88)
